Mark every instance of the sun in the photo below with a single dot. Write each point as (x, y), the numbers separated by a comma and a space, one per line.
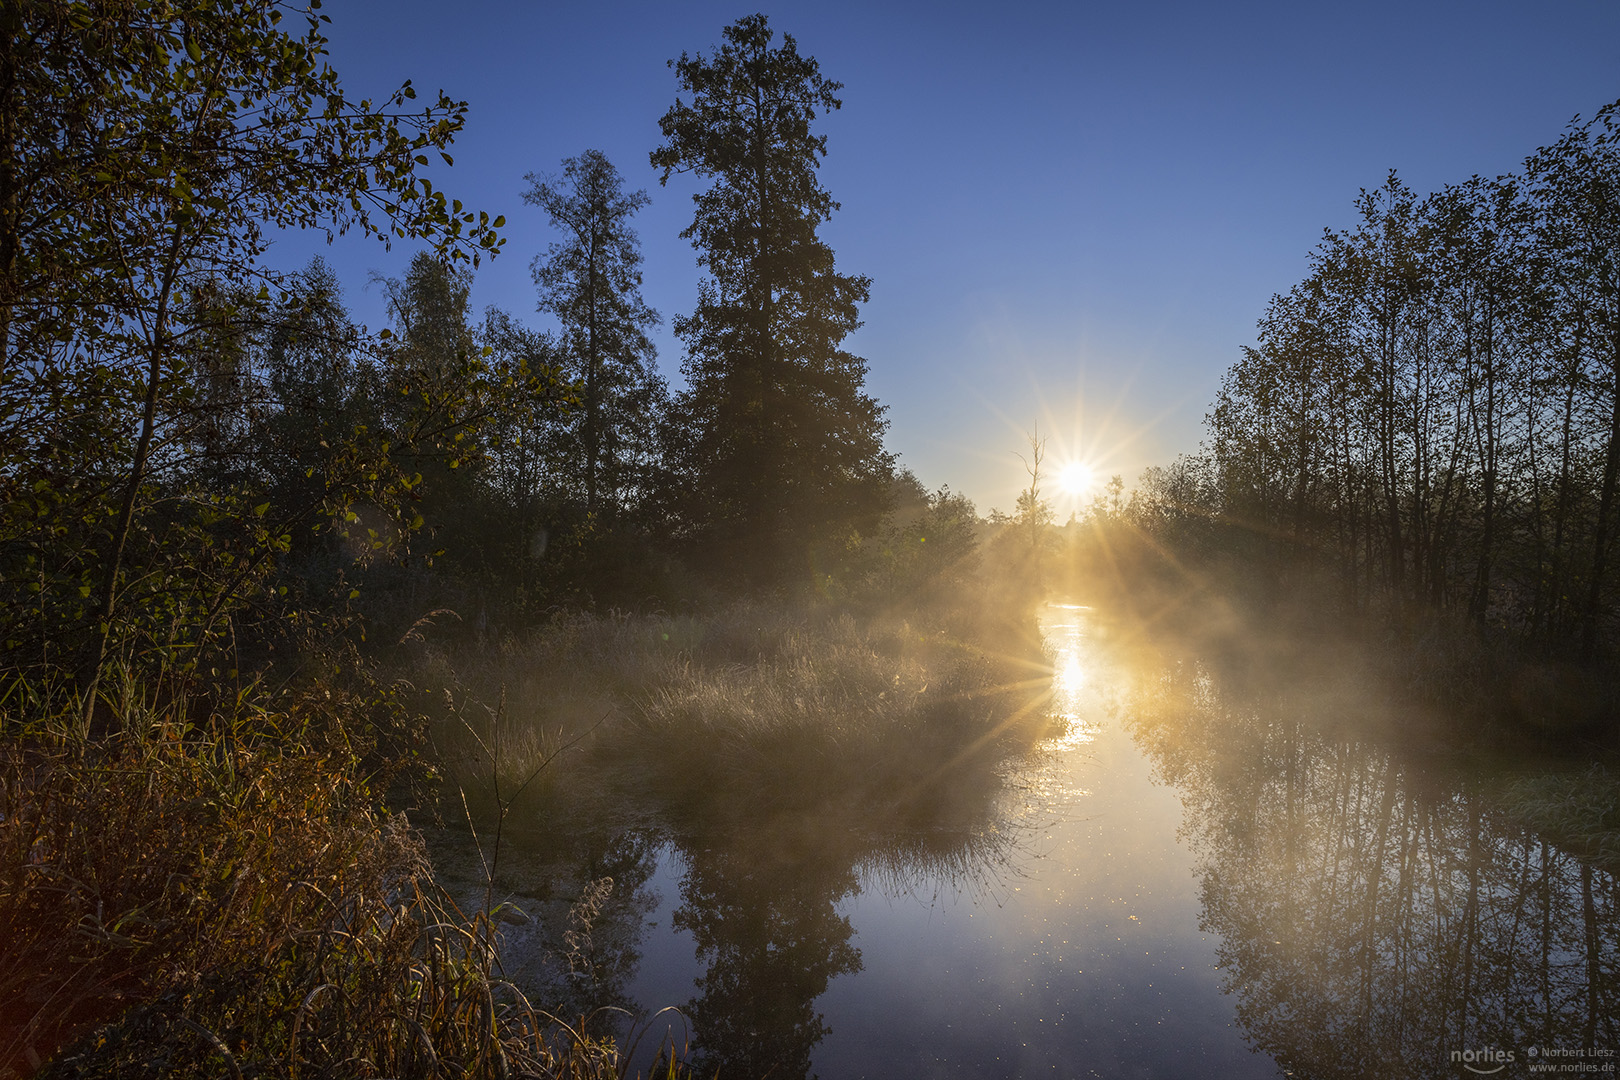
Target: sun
(1075, 478)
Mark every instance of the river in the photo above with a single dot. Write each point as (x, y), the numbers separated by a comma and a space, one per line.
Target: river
(1178, 882)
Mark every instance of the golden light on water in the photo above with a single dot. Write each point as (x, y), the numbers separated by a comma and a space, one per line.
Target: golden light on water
(1071, 676)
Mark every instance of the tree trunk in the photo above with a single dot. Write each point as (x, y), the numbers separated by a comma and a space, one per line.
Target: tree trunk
(101, 724)
(592, 362)
(1559, 606)
(768, 495)
(10, 242)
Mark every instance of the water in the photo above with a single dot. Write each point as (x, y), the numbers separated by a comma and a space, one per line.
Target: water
(1177, 883)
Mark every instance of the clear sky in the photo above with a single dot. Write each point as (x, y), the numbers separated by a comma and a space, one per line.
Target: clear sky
(1072, 214)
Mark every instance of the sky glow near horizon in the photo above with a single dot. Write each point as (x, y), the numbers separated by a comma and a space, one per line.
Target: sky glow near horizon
(1072, 214)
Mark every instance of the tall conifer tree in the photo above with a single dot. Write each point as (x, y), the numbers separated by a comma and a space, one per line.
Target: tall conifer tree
(591, 281)
(780, 445)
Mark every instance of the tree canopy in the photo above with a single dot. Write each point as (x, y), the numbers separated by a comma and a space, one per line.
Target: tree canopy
(146, 149)
(591, 281)
(779, 443)
(1433, 414)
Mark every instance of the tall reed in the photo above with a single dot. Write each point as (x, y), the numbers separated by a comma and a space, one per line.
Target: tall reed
(227, 901)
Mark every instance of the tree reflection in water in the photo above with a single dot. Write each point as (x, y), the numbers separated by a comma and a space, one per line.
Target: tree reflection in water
(600, 950)
(760, 901)
(585, 897)
(771, 939)
(1377, 915)
(762, 908)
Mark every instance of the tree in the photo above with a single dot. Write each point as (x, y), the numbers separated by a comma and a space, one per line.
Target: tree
(928, 546)
(145, 149)
(464, 406)
(779, 447)
(1034, 513)
(321, 388)
(1578, 183)
(1434, 408)
(592, 283)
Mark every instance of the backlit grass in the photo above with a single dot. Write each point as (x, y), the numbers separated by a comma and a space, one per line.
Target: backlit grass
(752, 710)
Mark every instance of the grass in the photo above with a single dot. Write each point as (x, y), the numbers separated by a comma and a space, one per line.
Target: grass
(206, 903)
(220, 891)
(750, 711)
(1577, 810)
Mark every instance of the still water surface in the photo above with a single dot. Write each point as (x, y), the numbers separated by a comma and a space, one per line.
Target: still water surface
(1180, 882)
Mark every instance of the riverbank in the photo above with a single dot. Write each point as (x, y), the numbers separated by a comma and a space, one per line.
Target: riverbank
(235, 894)
(235, 900)
(744, 713)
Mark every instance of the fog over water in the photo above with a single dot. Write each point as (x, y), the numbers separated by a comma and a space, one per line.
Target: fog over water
(1182, 879)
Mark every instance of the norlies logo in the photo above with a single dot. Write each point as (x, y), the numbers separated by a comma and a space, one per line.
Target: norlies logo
(1483, 1062)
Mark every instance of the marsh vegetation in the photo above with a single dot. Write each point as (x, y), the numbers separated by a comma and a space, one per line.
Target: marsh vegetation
(743, 713)
(447, 701)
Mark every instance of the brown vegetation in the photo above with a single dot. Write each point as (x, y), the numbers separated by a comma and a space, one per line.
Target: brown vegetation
(182, 904)
(747, 712)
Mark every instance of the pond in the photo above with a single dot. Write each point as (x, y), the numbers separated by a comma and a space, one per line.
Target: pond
(1179, 881)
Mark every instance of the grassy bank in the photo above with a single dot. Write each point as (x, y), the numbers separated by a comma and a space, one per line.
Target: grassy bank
(782, 757)
(1578, 809)
(748, 712)
(225, 892)
(236, 902)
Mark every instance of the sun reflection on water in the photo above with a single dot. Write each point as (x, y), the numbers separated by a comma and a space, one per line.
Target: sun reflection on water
(1071, 678)
(1070, 674)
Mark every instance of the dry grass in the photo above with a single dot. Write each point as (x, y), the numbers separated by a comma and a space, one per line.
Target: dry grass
(199, 905)
(751, 710)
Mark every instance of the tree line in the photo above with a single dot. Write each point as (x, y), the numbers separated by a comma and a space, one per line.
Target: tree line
(205, 460)
(1430, 419)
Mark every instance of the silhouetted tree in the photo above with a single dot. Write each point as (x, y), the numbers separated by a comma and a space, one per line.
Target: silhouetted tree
(777, 447)
(1432, 412)
(462, 405)
(144, 149)
(592, 283)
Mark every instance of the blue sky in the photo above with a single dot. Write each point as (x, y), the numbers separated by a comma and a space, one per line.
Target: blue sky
(1072, 214)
